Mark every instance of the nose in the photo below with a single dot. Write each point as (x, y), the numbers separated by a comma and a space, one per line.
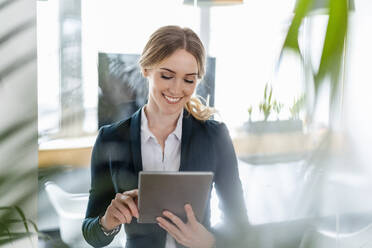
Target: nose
(176, 87)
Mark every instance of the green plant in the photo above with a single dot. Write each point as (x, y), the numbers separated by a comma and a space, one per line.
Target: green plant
(277, 106)
(332, 56)
(328, 75)
(250, 109)
(296, 107)
(266, 105)
(9, 220)
(15, 176)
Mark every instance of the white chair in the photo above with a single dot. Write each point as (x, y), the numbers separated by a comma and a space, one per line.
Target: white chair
(71, 210)
(329, 239)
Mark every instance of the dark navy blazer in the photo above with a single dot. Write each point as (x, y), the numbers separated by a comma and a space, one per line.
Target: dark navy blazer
(116, 162)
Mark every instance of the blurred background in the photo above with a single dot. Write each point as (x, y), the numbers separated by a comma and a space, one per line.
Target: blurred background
(291, 79)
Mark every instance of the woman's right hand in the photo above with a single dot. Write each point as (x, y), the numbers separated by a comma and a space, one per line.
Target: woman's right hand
(121, 210)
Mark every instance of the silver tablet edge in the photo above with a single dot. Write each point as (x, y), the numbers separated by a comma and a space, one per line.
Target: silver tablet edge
(176, 173)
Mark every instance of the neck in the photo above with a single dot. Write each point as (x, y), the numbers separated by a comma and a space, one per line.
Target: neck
(159, 120)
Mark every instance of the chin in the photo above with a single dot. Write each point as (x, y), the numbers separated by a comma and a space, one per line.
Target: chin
(172, 109)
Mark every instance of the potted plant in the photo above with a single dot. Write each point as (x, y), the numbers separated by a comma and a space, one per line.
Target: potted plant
(266, 107)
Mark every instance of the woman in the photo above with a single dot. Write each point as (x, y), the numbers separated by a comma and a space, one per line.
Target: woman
(171, 132)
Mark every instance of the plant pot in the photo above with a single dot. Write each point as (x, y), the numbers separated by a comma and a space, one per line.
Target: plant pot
(278, 126)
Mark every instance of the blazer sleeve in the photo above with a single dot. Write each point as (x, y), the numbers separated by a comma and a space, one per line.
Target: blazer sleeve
(100, 194)
(229, 190)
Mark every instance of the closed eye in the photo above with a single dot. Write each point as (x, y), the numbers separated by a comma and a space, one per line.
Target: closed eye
(165, 77)
(189, 81)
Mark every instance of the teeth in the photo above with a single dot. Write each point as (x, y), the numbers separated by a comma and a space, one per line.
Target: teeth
(172, 99)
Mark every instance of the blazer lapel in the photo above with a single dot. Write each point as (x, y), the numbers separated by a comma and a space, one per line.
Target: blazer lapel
(135, 135)
(186, 133)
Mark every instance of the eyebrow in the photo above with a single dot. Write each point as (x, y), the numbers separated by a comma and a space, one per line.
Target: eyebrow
(188, 74)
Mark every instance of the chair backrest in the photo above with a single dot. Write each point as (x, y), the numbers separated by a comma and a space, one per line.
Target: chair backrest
(71, 210)
(66, 204)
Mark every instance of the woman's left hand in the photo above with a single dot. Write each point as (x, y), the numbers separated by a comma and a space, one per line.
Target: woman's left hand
(191, 234)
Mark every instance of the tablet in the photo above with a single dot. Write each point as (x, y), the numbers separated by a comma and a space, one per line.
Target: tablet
(160, 190)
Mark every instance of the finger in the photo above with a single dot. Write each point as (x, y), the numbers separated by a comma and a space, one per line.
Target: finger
(123, 210)
(133, 193)
(170, 228)
(190, 214)
(116, 214)
(128, 200)
(179, 223)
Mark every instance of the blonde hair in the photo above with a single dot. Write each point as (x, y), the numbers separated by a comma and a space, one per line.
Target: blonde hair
(162, 44)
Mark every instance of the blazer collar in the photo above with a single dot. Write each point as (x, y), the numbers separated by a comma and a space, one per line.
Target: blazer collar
(135, 135)
(186, 133)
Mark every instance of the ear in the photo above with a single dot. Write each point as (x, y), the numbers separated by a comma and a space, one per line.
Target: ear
(145, 72)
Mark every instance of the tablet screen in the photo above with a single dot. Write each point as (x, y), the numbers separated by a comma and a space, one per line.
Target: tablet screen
(159, 191)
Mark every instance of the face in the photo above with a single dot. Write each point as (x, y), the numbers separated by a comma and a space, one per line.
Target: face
(172, 82)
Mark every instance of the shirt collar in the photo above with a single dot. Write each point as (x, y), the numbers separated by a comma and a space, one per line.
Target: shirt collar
(145, 131)
(147, 134)
(178, 130)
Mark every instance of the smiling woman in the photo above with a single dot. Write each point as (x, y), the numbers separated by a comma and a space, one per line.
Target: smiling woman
(172, 132)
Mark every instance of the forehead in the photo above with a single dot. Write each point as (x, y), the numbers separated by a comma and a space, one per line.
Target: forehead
(181, 62)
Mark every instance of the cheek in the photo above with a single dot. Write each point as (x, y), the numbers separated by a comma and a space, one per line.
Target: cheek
(155, 86)
(152, 89)
(189, 90)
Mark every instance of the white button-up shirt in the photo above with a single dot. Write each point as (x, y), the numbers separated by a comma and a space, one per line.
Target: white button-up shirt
(153, 158)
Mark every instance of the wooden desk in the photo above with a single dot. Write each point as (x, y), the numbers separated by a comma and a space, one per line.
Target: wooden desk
(275, 147)
(253, 148)
(73, 151)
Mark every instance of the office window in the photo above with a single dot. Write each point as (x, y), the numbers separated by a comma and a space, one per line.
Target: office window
(246, 40)
(48, 67)
(70, 36)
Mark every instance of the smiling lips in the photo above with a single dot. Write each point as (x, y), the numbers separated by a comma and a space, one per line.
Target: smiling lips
(172, 100)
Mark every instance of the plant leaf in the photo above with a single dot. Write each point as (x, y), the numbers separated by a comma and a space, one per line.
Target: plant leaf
(14, 236)
(291, 40)
(333, 48)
